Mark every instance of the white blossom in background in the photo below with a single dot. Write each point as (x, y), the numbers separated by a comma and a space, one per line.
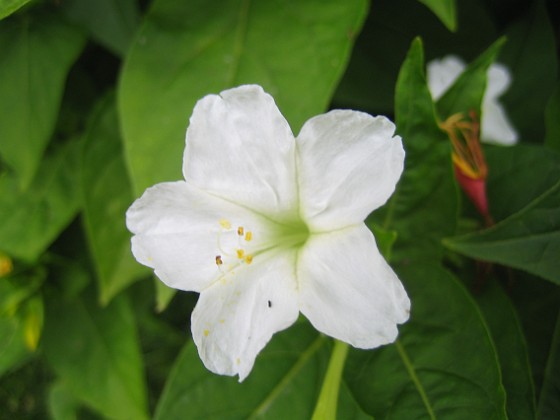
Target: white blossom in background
(266, 225)
(495, 125)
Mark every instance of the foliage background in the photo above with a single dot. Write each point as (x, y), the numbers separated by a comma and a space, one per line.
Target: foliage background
(94, 101)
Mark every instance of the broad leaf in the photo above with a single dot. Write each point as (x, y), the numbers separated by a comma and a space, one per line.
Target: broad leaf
(107, 195)
(529, 240)
(185, 50)
(443, 364)
(284, 383)
(505, 329)
(36, 54)
(103, 343)
(445, 10)
(424, 207)
(517, 176)
(112, 23)
(33, 219)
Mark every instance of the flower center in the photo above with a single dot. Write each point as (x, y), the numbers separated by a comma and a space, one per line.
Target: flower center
(239, 245)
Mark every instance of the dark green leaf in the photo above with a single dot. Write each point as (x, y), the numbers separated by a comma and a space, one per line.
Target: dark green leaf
(96, 354)
(107, 195)
(517, 176)
(443, 364)
(531, 55)
(552, 121)
(13, 350)
(110, 22)
(31, 220)
(529, 240)
(296, 50)
(503, 323)
(424, 206)
(35, 57)
(445, 10)
(468, 90)
(549, 403)
(284, 383)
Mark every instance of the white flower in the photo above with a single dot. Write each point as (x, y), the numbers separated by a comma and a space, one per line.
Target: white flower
(496, 128)
(266, 225)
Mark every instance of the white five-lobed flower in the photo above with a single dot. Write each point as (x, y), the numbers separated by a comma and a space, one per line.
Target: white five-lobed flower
(495, 125)
(266, 225)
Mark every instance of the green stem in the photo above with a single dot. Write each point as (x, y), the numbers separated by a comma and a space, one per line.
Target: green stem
(328, 398)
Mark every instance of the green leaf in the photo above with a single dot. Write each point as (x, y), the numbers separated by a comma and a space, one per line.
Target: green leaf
(468, 90)
(445, 10)
(96, 354)
(552, 138)
(284, 383)
(7, 7)
(36, 55)
(13, 350)
(549, 403)
(107, 195)
(531, 55)
(296, 50)
(33, 219)
(424, 206)
(112, 23)
(443, 364)
(164, 294)
(518, 175)
(505, 329)
(63, 404)
(529, 240)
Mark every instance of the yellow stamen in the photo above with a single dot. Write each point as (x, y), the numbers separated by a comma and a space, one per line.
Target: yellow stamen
(464, 134)
(206, 332)
(219, 260)
(248, 236)
(225, 224)
(248, 259)
(240, 253)
(240, 230)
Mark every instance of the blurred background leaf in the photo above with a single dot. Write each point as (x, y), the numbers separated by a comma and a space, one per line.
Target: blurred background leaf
(111, 23)
(32, 220)
(107, 195)
(184, 50)
(95, 353)
(36, 54)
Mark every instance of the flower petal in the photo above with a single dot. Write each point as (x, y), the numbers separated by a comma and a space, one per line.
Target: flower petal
(348, 291)
(235, 317)
(442, 73)
(181, 230)
(496, 127)
(240, 147)
(348, 165)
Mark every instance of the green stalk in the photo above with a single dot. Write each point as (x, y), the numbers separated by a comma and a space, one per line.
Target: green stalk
(328, 398)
